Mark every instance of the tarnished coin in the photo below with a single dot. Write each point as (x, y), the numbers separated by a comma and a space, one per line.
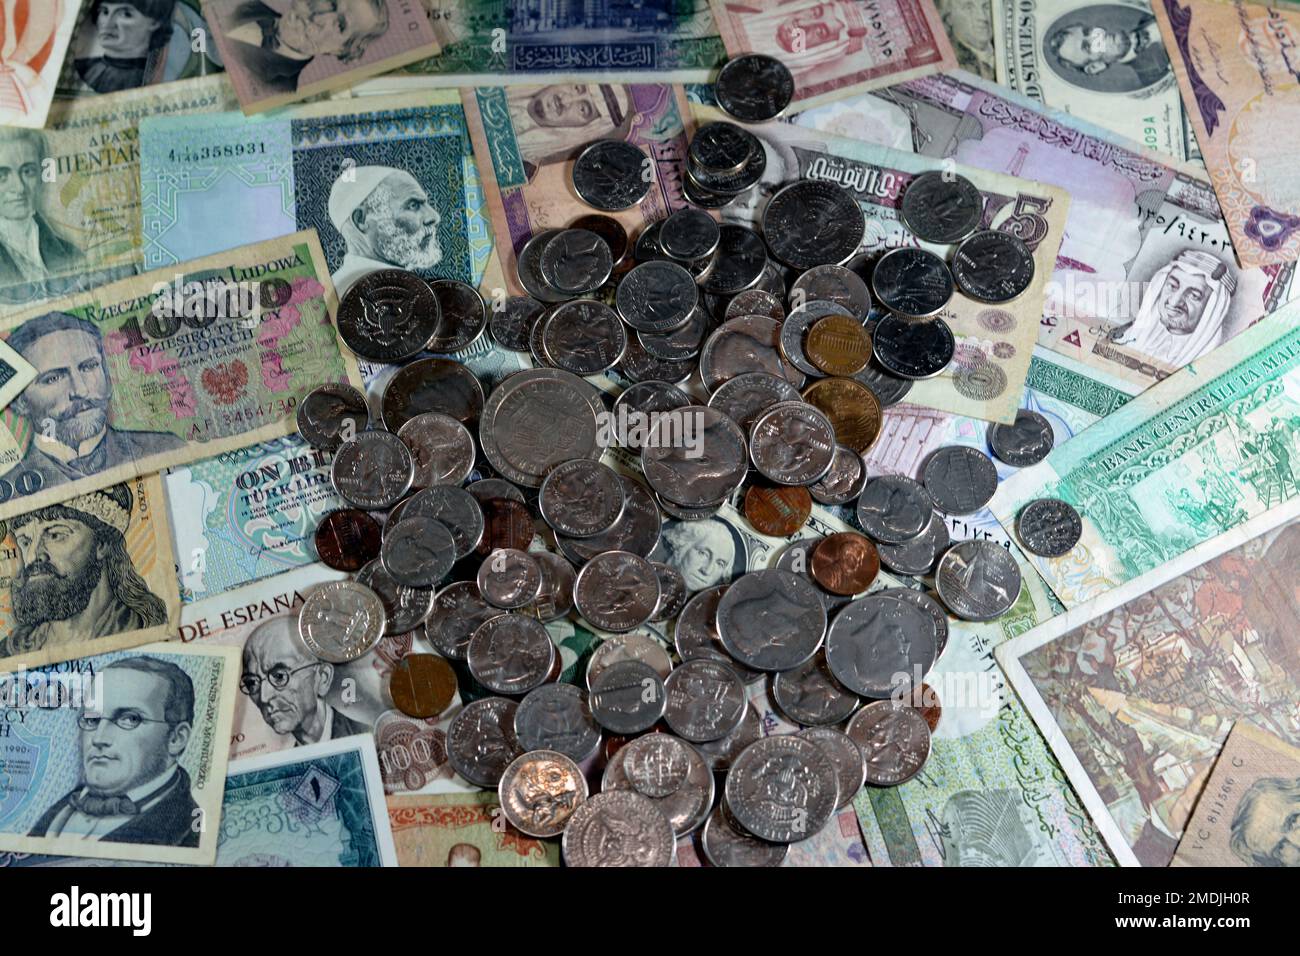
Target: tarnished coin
(634, 646)
(507, 523)
(845, 563)
(794, 332)
(406, 607)
(916, 556)
(771, 620)
(741, 258)
(894, 739)
(1025, 443)
(894, 509)
(431, 385)
(540, 791)
(580, 498)
(529, 264)
(689, 235)
(889, 389)
(813, 223)
(993, 266)
(453, 507)
(696, 633)
(755, 302)
(745, 397)
(616, 591)
(701, 471)
(1049, 527)
(941, 207)
(750, 343)
(782, 788)
(754, 88)
(879, 643)
(810, 695)
(672, 592)
(464, 316)
(340, 621)
(422, 685)
(706, 700)
(930, 606)
(777, 510)
(458, 610)
(845, 481)
(846, 757)
(536, 419)
(555, 598)
(388, 315)
(835, 284)
(511, 323)
(978, 580)
(628, 697)
(725, 844)
(852, 409)
(557, 717)
(913, 348)
(331, 414)
(418, 551)
(656, 296)
(373, 470)
(792, 443)
(636, 530)
(509, 578)
(927, 702)
(511, 654)
(838, 345)
(486, 488)
(912, 282)
(576, 261)
(661, 763)
(618, 828)
(481, 740)
(610, 175)
(584, 337)
(346, 539)
(441, 448)
(960, 479)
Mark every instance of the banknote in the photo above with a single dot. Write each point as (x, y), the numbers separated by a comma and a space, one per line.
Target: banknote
(319, 805)
(34, 38)
(1137, 690)
(16, 373)
(836, 48)
(87, 216)
(994, 343)
(970, 29)
(119, 756)
(167, 367)
(1146, 280)
(93, 574)
(283, 51)
(1237, 73)
(1246, 815)
(1049, 50)
(524, 138)
(1197, 455)
(466, 829)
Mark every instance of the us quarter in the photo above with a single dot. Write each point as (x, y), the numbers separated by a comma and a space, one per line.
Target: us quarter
(418, 552)
(581, 498)
(754, 88)
(511, 654)
(584, 337)
(792, 444)
(689, 235)
(557, 717)
(894, 739)
(913, 348)
(481, 740)
(894, 509)
(636, 530)
(1025, 443)
(706, 700)
(510, 324)
(406, 607)
(616, 591)
(340, 621)
(941, 207)
(656, 296)
(628, 697)
(912, 282)
(916, 556)
(726, 844)
(610, 175)
(993, 266)
(634, 646)
(835, 284)
(442, 449)
(509, 578)
(810, 695)
(555, 598)
(373, 470)
(576, 261)
(458, 610)
(846, 757)
(453, 507)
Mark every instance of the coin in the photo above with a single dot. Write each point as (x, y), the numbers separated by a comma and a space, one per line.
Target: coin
(978, 580)
(778, 511)
(638, 365)
(539, 792)
(464, 316)
(1025, 443)
(628, 697)
(845, 563)
(662, 764)
(689, 235)
(576, 261)
(721, 148)
(702, 471)
(838, 345)
(888, 389)
(458, 610)
(722, 187)
(706, 700)
(616, 591)
(719, 754)
(792, 443)
(771, 620)
(610, 175)
(647, 398)
(618, 828)
(851, 408)
(794, 332)
(636, 530)
(510, 654)
(755, 302)
(912, 282)
(422, 685)
(418, 552)
(340, 621)
(930, 606)
(913, 348)
(442, 449)
(580, 498)
(331, 414)
(878, 643)
(373, 470)
(993, 266)
(846, 479)
(760, 795)
(960, 479)
(754, 88)
(682, 343)
(916, 556)
(697, 195)
(506, 524)
(894, 509)
(453, 507)
(406, 607)
(431, 385)
(927, 702)
(481, 740)
(536, 419)
(388, 315)
(696, 634)
(672, 592)
(509, 578)
(812, 223)
(584, 337)
(346, 538)
(745, 397)
(835, 284)
(750, 343)
(656, 296)
(557, 717)
(529, 264)
(1049, 527)
(725, 844)
(797, 557)
(742, 256)
(634, 646)
(846, 757)
(486, 488)
(510, 323)
(894, 740)
(809, 694)
(941, 207)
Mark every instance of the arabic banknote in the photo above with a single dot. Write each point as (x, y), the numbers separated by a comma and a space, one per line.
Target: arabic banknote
(1246, 814)
(466, 829)
(836, 48)
(182, 363)
(35, 36)
(1137, 690)
(970, 29)
(125, 760)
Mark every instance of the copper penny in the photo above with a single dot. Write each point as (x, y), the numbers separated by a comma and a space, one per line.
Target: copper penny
(347, 539)
(853, 410)
(506, 524)
(778, 511)
(422, 685)
(838, 345)
(844, 563)
(925, 700)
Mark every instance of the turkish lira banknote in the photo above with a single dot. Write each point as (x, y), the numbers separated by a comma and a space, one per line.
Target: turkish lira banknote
(462, 829)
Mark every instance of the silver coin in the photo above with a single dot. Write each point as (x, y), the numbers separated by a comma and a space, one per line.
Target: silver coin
(725, 844)
(720, 753)
(689, 235)
(511, 323)
(706, 700)
(845, 480)
(795, 557)
(960, 479)
(930, 606)
(555, 598)
(634, 646)
(916, 556)
(557, 717)
(685, 513)
(656, 296)
(1025, 443)
(978, 580)
(529, 264)
(610, 175)
(388, 315)
(681, 344)
(536, 419)
(646, 248)
(894, 509)
(340, 621)
(782, 788)
(616, 591)
(454, 507)
(792, 443)
(510, 654)
(540, 791)
(650, 397)
(330, 414)
(464, 316)
(721, 148)
(657, 765)
(373, 470)
(638, 365)
(486, 488)
(993, 266)
(879, 643)
(795, 329)
(442, 449)
(810, 695)
(754, 88)
(431, 385)
(672, 592)
(888, 389)
(618, 828)
(406, 607)
(1049, 527)
(771, 620)
(584, 337)
(745, 397)
(609, 229)
(580, 498)
(697, 195)
(636, 530)
(912, 282)
(576, 261)
(722, 187)
(509, 578)
(481, 740)
(894, 739)
(742, 257)
(846, 757)
(835, 284)
(661, 763)
(628, 697)
(458, 610)
(418, 552)
(755, 302)
(813, 223)
(913, 348)
(701, 465)
(941, 207)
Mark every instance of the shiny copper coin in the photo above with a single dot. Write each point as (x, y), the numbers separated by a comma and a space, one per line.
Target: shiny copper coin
(925, 700)
(347, 539)
(506, 524)
(422, 685)
(778, 511)
(838, 345)
(853, 410)
(844, 563)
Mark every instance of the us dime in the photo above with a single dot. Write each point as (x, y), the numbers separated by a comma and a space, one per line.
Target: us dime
(978, 580)
(912, 282)
(913, 348)
(941, 207)
(993, 266)
(628, 697)
(331, 414)
(388, 315)
(764, 798)
(960, 479)
(580, 498)
(1025, 443)
(706, 700)
(511, 654)
(754, 88)
(1049, 527)
(812, 223)
(481, 740)
(771, 620)
(644, 836)
(418, 552)
(557, 717)
(616, 591)
(894, 739)
(340, 621)
(540, 791)
(878, 642)
(373, 470)
(610, 175)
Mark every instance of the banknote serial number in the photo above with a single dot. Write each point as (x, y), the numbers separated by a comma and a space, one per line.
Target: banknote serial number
(271, 409)
(199, 154)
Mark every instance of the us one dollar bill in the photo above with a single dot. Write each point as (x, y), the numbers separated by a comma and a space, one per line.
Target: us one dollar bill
(969, 24)
(463, 829)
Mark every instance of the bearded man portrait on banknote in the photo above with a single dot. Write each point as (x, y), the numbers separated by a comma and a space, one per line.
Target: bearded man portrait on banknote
(387, 221)
(1107, 48)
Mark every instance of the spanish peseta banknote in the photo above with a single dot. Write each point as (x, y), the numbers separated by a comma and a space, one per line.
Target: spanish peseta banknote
(119, 756)
(463, 829)
(167, 367)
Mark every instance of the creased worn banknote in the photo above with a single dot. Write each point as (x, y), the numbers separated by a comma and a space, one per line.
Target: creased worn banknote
(462, 829)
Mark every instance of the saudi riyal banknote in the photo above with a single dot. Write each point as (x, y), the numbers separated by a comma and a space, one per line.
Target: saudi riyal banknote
(462, 829)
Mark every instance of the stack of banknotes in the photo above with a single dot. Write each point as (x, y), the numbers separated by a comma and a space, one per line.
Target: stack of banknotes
(198, 199)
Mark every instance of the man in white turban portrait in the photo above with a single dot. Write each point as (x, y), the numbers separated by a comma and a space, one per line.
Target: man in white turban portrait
(1183, 309)
(387, 221)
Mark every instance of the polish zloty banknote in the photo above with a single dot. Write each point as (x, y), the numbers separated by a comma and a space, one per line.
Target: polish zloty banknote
(125, 760)
(319, 805)
(1101, 60)
(836, 48)
(466, 829)
(170, 366)
(93, 574)
(1197, 455)
(35, 35)
(970, 28)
